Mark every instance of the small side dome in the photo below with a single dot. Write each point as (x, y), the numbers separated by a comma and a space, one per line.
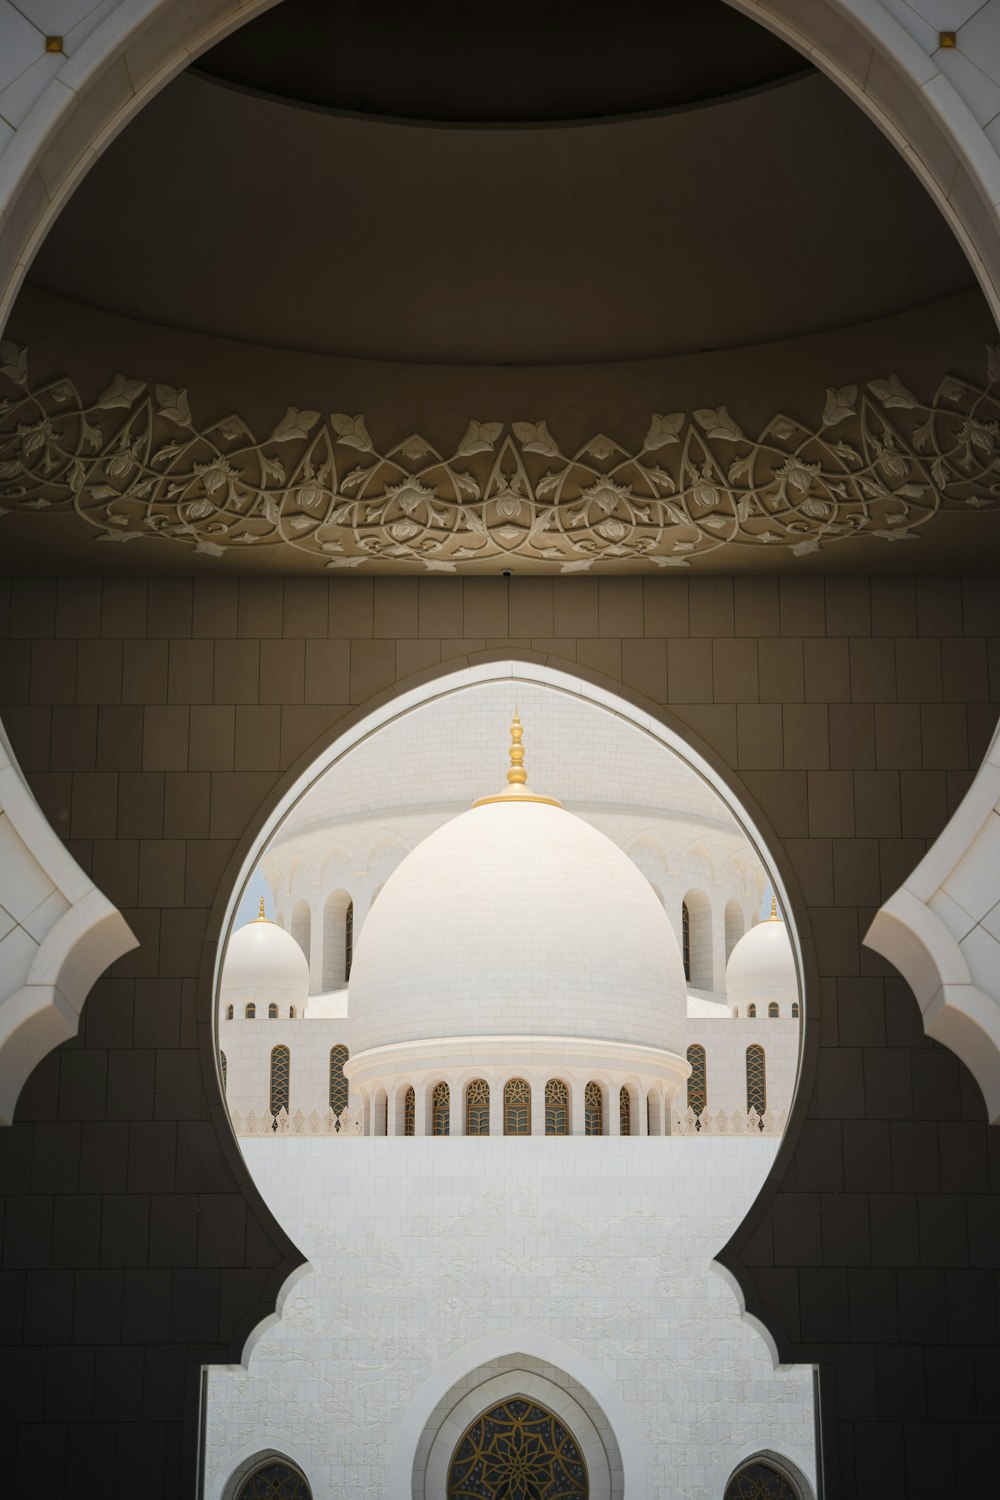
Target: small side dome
(761, 968)
(263, 963)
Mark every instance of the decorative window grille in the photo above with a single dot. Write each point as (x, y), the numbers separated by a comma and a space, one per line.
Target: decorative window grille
(410, 1113)
(758, 1480)
(751, 1012)
(224, 1067)
(229, 1012)
(272, 1012)
(516, 1107)
(795, 1010)
(291, 1012)
(477, 1107)
(686, 940)
(280, 1070)
(625, 1111)
(698, 1081)
(773, 1011)
(250, 1012)
(756, 1080)
(515, 1451)
(593, 1109)
(556, 1107)
(274, 1480)
(441, 1110)
(348, 940)
(339, 1087)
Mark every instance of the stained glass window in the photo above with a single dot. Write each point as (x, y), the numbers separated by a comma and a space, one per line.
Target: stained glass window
(339, 1087)
(229, 1012)
(773, 1011)
(348, 940)
(441, 1110)
(751, 1012)
(224, 1069)
(593, 1109)
(275, 1480)
(280, 1069)
(518, 1451)
(698, 1081)
(250, 1012)
(272, 1012)
(556, 1107)
(477, 1107)
(625, 1111)
(686, 940)
(756, 1080)
(516, 1107)
(759, 1480)
(795, 1010)
(410, 1113)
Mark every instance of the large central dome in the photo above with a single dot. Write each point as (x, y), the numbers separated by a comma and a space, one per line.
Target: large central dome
(517, 919)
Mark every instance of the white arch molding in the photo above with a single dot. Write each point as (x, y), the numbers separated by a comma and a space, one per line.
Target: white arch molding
(607, 1419)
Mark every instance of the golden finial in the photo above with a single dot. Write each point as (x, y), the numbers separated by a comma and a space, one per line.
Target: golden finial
(260, 915)
(517, 775)
(774, 909)
(517, 789)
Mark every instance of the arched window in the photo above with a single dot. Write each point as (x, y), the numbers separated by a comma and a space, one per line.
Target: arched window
(251, 1012)
(272, 1012)
(593, 1109)
(339, 1087)
(348, 940)
(698, 1081)
(516, 1107)
(291, 1012)
(756, 1080)
(686, 939)
(410, 1112)
(624, 1111)
(795, 1010)
(760, 1480)
(773, 1012)
(274, 1479)
(224, 1069)
(477, 1107)
(280, 1070)
(556, 1107)
(441, 1110)
(336, 965)
(229, 1012)
(751, 1012)
(517, 1449)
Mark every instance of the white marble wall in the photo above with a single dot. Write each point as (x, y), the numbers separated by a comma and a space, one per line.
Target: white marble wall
(601, 1249)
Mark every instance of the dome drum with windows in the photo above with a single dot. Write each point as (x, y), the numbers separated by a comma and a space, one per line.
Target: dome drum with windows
(517, 940)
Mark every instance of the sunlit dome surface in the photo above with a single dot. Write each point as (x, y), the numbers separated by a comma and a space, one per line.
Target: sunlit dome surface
(761, 967)
(262, 962)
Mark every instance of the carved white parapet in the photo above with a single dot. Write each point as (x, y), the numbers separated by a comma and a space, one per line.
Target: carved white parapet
(57, 935)
(337, 1127)
(722, 1122)
(941, 930)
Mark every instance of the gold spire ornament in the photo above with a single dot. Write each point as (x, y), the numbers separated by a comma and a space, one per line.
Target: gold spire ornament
(517, 789)
(260, 917)
(774, 910)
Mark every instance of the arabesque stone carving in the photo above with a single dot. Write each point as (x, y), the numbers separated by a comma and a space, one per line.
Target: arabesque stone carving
(133, 463)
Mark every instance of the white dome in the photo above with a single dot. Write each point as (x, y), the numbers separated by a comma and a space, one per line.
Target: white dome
(761, 968)
(263, 963)
(517, 919)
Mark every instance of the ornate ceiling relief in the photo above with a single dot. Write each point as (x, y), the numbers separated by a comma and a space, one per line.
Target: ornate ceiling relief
(880, 462)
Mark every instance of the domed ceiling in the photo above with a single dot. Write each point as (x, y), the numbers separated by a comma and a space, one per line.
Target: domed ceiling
(587, 215)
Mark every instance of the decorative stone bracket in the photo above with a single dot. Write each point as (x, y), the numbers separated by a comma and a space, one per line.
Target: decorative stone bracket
(58, 933)
(941, 930)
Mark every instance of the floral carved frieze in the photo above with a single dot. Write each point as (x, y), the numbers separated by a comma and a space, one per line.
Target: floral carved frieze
(878, 461)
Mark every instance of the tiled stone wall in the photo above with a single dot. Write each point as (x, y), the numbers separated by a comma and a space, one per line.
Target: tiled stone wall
(155, 718)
